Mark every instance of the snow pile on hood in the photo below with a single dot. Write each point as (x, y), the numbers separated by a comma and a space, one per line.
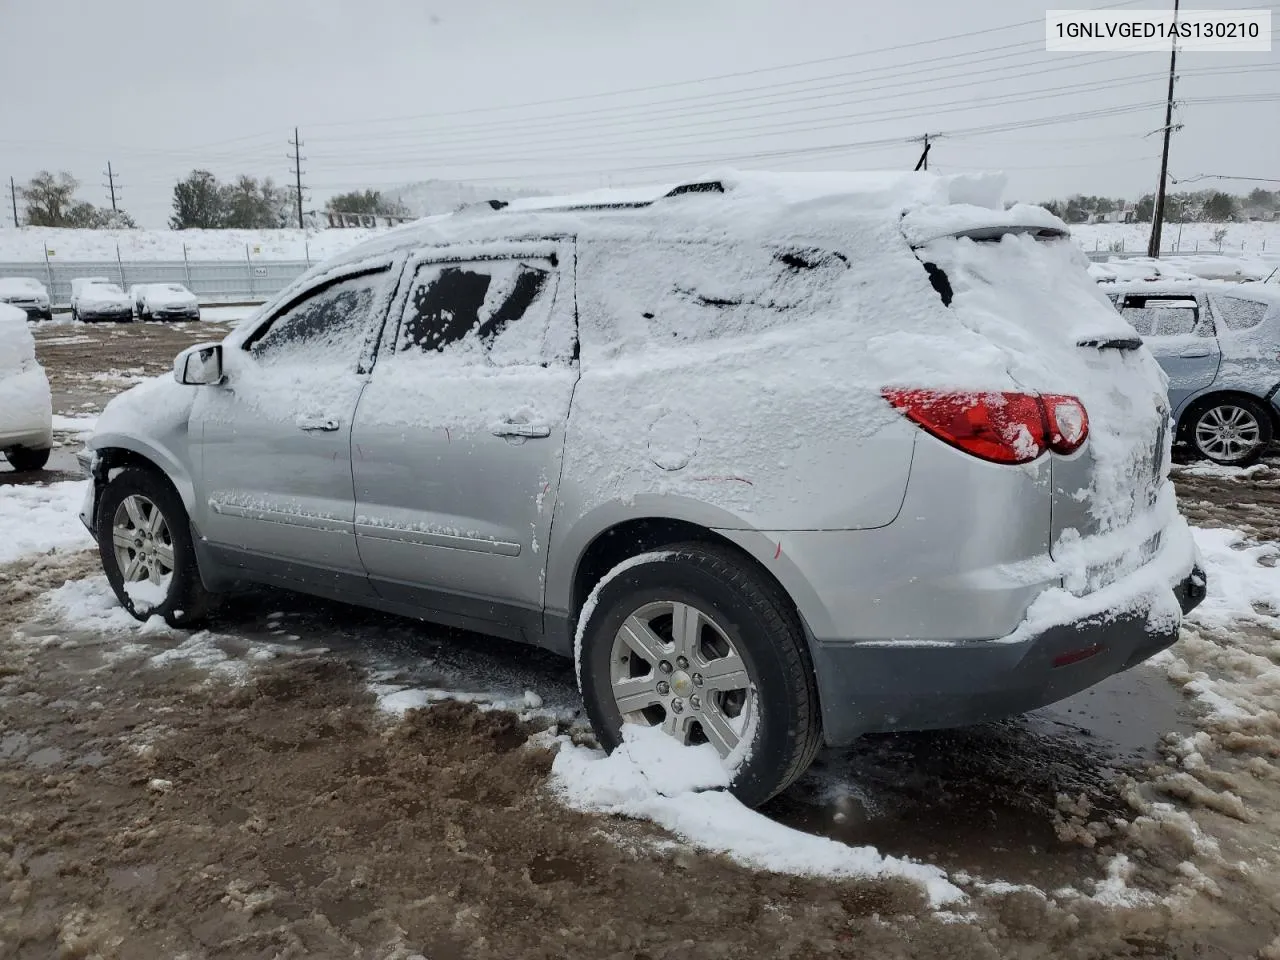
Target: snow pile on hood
(153, 407)
(103, 295)
(39, 519)
(23, 288)
(680, 788)
(166, 295)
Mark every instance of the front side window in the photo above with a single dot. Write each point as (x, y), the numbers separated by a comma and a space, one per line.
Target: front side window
(328, 327)
(495, 312)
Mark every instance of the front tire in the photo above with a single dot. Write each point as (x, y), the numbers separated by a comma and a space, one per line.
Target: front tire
(25, 459)
(693, 639)
(144, 540)
(1232, 431)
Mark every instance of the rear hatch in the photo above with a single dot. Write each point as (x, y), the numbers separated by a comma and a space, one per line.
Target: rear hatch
(1023, 285)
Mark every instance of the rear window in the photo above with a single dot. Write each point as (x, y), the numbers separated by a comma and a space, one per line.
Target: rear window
(1240, 314)
(1155, 316)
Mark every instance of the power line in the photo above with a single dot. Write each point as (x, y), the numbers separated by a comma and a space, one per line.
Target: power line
(755, 130)
(708, 79)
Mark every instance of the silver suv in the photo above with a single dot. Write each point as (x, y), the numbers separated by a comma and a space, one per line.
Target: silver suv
(1219, 343)
(777, 463)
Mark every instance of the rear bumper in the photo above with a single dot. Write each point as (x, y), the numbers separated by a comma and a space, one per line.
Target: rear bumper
(868, 688)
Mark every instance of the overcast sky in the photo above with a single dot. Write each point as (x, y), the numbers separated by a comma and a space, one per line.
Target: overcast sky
(392, 91)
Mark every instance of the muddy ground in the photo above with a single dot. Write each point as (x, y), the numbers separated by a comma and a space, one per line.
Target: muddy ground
(245, 797)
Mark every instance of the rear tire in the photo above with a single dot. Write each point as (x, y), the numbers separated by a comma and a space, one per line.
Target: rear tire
(25, 459)
(746, 638)
(1231, 431)
(154, 553)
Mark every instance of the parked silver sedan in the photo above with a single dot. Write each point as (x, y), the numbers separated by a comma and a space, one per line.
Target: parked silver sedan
(1219, 344)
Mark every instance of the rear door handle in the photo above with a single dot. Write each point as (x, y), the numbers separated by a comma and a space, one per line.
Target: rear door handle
(509, 429)
(325, 424)
(1193, 352)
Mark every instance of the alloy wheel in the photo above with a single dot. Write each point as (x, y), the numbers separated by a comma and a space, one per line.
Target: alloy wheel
(1227, 432)
(142, 541)
(673, 666)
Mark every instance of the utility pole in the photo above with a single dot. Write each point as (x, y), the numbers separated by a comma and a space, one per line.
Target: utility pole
(297, 158)
(13, 196)
(111, 185)
(1157, 213)
(923, 162)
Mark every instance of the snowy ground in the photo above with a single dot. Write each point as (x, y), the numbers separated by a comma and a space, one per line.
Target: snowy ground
(265, 787)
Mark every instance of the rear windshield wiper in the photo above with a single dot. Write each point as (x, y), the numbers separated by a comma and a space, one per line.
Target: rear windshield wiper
(1111, 343)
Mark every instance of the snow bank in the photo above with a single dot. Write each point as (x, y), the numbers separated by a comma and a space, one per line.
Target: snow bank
(91, 605)
(28, 244)
(680, 788)
(81, 426)
(39, 519)
(1234, 268)
(1244, 582)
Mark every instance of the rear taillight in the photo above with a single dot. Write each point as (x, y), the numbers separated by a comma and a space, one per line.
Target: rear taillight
(1002, 427)
(1068, 422)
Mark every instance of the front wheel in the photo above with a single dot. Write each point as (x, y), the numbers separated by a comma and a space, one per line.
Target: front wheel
(24, 459)
(144, 539)
(1232, 431)
(694, 640)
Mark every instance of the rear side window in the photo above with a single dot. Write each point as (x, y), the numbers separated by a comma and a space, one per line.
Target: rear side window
(1239, 314)
(328, 327)
(493, 312)
(1166, 317)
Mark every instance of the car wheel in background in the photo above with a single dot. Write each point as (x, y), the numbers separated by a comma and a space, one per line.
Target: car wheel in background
(1233, 431)
(25, 459)
(144, 539)
(692, 639)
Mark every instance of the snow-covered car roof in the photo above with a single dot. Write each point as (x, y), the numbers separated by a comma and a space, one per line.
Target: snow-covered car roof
(742, 203)
(165, 293)
(20, 285)
(1269, 292)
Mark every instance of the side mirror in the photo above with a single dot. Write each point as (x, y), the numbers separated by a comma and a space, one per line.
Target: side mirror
(199, 366)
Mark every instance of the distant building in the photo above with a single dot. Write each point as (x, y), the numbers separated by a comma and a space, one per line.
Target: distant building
(1123, 214)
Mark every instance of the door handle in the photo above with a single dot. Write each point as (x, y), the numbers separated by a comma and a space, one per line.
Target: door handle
(326, 424)
(1193, 352)
(509, 429)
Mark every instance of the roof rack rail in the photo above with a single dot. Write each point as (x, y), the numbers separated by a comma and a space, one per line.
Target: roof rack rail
(702, 186)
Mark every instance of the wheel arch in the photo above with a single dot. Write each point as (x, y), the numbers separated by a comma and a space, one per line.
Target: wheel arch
(636, 535)
(118, 453)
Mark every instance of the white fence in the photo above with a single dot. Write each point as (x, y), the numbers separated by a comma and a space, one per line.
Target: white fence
(210, 280)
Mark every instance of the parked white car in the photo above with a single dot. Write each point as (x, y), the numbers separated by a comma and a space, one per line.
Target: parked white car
(27, 294)
(26, 406)
(96, 298)
(164, 301)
